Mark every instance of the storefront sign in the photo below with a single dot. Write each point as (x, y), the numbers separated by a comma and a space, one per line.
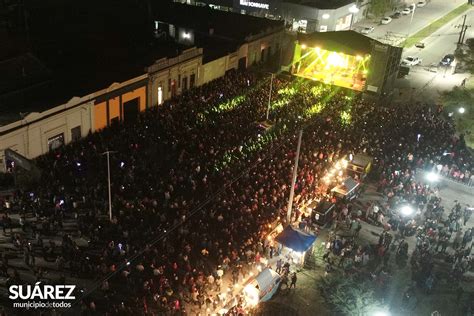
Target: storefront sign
(255, 4)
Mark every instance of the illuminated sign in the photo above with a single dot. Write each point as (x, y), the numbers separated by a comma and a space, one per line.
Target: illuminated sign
(254, 4)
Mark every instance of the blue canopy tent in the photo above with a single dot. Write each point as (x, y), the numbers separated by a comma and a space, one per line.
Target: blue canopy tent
(295, 239)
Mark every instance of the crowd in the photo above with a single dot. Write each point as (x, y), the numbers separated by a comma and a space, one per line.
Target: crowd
(197, 183)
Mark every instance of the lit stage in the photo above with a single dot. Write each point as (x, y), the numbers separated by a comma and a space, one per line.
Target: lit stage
(331, 67)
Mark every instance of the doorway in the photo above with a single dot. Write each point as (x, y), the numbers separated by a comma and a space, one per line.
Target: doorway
(131, 110)
(242, 63)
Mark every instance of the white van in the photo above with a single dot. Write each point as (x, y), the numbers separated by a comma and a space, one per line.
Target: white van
(262, 287)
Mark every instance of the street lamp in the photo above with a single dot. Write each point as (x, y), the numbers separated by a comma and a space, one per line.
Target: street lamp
(353, 9)
(379, 311)
(108, 152)
(406, 210)
(269, 97)
(432, 177)
(461, 110)
(413, 12)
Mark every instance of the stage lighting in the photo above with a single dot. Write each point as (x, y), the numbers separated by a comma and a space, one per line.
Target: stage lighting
(334, 59)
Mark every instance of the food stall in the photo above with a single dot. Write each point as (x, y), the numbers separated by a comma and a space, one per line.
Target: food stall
(262, 287)
(359, 166)
(295, 243)
(321, 212)
(347, 190)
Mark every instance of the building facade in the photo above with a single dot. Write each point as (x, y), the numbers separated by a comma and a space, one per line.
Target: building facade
(38, 133)
(308, 18)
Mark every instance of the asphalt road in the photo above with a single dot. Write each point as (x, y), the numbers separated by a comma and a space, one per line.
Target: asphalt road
(425, 83)
(403, 26)
(441, 42)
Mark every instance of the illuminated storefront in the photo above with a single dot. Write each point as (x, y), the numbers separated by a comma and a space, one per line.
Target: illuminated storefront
(344, 23)
(320, 16)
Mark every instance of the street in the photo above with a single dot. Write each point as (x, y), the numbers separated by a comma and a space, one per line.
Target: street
(442, 42)
(404, 26)
(306, 296)
(427, 81)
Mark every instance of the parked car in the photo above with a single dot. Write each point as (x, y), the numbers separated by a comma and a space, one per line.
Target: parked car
(406, 11)
(447, 60)
(403, 71)
(367, 30)
(421, 4)
(420, 45)
(411, 61)
(396, 15)
(386, 20)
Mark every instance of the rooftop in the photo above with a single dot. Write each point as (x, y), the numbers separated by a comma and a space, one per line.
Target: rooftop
(229, 25)
(322, 4)
(100, 53)
(103, 51)
(347, 42)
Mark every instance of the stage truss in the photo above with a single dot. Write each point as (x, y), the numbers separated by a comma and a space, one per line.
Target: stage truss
(331, 67)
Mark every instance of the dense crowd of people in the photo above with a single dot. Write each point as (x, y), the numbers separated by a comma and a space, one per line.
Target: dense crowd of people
(198, 182)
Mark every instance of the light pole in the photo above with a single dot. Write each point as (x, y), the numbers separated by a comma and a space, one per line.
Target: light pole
(269, 96)
(353, 9)
(108, 152)
(413, 12)
(432, 177)
(406, 210)
(293, 181)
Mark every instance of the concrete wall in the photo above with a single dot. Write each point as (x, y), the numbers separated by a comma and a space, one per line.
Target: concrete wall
(214, 69)
(30, 136)
(95, 111)
(109, 103)
(168, 70)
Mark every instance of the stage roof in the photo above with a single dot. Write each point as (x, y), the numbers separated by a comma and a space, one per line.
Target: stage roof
(295, 239)
(347, 42)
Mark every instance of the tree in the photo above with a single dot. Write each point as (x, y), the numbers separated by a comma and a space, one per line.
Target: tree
(379, 7)
(349, 296)
(453, 101)
(465, 56)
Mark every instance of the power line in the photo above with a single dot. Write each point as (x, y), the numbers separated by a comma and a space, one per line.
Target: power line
(463, 27)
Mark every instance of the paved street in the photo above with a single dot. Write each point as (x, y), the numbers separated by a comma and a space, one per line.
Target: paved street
(308, 279)
(403, 26)
(441, 42)
(425, 82)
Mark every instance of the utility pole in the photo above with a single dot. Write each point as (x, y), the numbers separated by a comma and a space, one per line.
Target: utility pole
(464, 33)
(269, 97)
(413, 13)
(293, 181)
(108, 152)
(463, 30)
